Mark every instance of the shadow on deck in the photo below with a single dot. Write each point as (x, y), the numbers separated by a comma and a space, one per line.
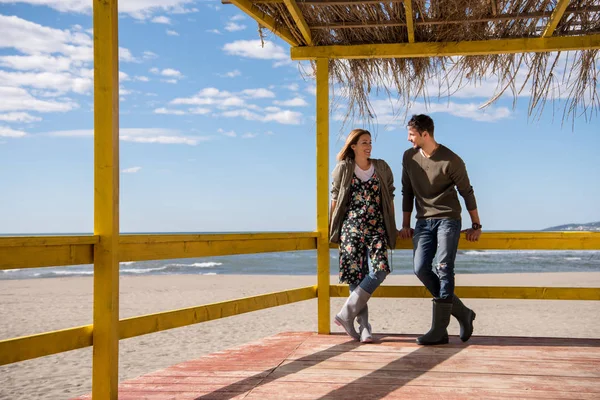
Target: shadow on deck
(303, 365)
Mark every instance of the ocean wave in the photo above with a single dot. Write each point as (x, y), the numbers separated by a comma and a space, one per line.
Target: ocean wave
(11, 270)
(573, 258)
(519, 252)
(197, 265)
(63, 273)
(127, 262)
(142, 270)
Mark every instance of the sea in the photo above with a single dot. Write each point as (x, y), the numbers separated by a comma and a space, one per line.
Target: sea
(304, 263)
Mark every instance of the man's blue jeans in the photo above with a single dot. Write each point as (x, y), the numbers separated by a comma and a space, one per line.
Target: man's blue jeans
(439, 236)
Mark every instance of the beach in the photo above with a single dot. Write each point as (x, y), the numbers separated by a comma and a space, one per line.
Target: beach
(30, 306)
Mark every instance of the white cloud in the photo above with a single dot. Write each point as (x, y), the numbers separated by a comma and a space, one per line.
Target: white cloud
(141, 78)
(249, 135)
(231, 74)
(139, 9)
(238, 17)
(311, 89)
(140, 135)
(19, 117)
(215, 31)
(36, 62)
(161, 20)
(258, 93)
(131, 170)
(172, 33)
(227, 133)
(284, 117)
(233, 27)
(167, 111)
(199, 110)
(295, 102)
(294, 87)
(19, 99)
(8, 132)
(171, 73)
(126, 56)
(148, 55)
(172, 81)
(254, 49)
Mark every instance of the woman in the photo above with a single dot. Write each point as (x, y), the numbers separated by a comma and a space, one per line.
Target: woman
(363, 223)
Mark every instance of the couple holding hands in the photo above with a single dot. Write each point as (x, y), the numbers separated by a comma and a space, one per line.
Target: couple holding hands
(362, 222)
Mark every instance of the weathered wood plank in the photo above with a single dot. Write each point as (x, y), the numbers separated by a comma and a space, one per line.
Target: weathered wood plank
(310, 366)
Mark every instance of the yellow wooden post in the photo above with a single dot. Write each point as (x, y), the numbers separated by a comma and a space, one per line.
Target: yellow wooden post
(106, 200)
(323, 194)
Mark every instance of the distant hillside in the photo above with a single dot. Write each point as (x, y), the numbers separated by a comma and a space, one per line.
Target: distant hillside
(590, 226)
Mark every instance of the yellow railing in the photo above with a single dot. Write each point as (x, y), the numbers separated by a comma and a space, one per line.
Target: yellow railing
(43, 251)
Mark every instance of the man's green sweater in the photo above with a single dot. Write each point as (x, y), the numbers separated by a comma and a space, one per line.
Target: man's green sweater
(432, 182)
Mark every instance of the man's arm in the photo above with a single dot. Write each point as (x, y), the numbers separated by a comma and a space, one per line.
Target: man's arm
(473, 234)
(408, 199)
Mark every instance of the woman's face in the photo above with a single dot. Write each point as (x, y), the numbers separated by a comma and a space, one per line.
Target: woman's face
(362, 148)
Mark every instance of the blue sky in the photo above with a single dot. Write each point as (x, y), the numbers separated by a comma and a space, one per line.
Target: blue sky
(218, 134)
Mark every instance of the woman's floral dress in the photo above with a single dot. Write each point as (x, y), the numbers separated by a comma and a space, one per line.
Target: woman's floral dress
(363, 232)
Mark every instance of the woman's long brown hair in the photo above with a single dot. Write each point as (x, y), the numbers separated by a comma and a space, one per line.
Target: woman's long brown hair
(352, 138)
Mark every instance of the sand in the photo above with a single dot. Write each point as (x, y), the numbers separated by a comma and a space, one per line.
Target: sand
(40, 305)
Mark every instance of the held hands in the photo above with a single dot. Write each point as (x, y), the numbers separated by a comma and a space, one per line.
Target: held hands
(406, 233)
(472, 234)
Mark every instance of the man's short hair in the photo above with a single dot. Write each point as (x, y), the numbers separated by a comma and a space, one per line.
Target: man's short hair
(421, 123)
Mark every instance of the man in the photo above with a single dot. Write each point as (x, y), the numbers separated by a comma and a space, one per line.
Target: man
(431, 173)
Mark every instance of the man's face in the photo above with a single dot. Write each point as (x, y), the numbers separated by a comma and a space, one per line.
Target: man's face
(415, 138)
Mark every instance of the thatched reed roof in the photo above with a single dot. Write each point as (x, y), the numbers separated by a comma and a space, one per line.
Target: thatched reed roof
(572, 76)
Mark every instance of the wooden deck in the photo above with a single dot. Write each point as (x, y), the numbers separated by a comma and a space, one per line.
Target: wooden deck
(302, 365)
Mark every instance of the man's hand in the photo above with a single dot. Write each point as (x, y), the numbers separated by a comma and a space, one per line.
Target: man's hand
(406, 233)
(473, 235)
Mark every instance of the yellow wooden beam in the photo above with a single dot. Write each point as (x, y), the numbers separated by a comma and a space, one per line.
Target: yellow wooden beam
(523, 241)
(323, 195)
(482, 292)
(143, 325)
(298, 18)
(42, 251)
(465, 48)
(238, 237)
(106, 200)
(188, 249)
(266, 20)
(557, 14)
(409, 20)
(42, 255)
(44, 344)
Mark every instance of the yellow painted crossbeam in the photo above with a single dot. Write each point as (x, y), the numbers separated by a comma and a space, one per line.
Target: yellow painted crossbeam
(410, 26)
(464, 48)
(44, 251)
(482, 292)
(265, 20)
(143, 325)
(47, 251)
(151, 247)
(522, 241)
(298, 18)
(557, 14)
(44, 344)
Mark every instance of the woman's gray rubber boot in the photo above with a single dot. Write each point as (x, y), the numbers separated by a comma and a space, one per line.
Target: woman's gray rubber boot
(355, 303)
(364, 327)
